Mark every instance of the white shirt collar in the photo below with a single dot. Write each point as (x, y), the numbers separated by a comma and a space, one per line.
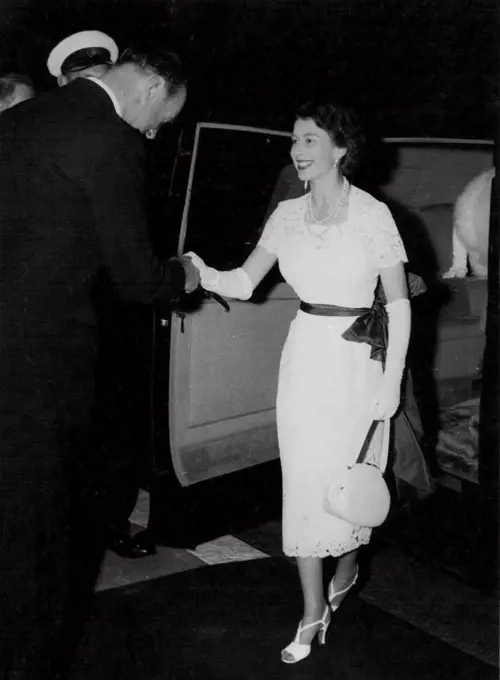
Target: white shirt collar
(110, 92)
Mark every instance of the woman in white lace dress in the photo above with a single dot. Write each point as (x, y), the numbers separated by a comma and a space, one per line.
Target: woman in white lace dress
(332, 245)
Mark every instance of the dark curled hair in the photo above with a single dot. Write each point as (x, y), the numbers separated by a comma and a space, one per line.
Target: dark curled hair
(342, 125)
(9, 82)
(165, 64)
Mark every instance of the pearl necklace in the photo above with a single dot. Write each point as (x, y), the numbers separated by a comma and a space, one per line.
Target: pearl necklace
(338, 205)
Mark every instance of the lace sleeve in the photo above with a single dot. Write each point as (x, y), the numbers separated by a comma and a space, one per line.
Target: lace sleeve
(271, 235)
(387, 245)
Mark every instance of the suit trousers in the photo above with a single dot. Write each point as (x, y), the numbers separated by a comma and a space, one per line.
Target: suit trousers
(123, 409)
(51, 543)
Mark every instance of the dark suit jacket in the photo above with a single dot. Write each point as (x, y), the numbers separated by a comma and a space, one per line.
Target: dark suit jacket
(71, 212)
(73, 243)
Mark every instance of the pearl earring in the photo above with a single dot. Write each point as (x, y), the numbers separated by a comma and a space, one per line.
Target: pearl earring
(306, 185)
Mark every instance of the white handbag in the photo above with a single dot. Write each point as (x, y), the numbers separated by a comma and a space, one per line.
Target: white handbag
(361, 497)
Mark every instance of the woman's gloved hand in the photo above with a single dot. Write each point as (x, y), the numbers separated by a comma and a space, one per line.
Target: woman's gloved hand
(208, 275)
(191, 273)
(388, 395)
(234, 283)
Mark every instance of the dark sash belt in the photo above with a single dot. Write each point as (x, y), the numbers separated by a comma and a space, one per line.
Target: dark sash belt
(369, 327)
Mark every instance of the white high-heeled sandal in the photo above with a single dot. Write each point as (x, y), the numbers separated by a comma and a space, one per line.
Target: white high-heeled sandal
(299, 651)
(332, 593)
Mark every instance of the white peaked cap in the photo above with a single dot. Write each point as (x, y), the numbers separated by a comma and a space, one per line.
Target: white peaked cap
(80, 41)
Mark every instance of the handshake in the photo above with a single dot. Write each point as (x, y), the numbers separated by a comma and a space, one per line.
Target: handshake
(191, 272)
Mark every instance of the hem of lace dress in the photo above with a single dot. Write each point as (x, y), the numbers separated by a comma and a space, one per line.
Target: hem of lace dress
(330, 551)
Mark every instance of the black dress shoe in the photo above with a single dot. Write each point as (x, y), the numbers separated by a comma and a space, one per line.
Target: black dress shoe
(143, 541)
(132, 547)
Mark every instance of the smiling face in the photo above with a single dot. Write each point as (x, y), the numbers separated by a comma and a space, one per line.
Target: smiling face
(313, 152)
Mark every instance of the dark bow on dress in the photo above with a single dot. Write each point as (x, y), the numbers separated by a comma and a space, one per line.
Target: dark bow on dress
(372, 327)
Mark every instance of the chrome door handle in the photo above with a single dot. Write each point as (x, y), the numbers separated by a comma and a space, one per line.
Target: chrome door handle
(215, 296)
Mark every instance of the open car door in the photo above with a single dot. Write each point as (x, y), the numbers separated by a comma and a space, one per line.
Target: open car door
(224, 364)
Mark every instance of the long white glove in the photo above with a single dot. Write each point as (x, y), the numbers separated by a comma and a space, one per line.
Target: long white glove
(388, 395)
(234, 283)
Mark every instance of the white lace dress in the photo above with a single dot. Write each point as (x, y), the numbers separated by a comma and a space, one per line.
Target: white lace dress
(325, 382)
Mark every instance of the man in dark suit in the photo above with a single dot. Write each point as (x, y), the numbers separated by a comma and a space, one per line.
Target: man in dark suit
(72, 225)
(122, 365)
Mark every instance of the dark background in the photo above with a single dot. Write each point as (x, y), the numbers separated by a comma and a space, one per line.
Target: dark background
(413, 67)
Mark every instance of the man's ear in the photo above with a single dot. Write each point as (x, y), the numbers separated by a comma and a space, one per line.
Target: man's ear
(62, 80)
(156, 87)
